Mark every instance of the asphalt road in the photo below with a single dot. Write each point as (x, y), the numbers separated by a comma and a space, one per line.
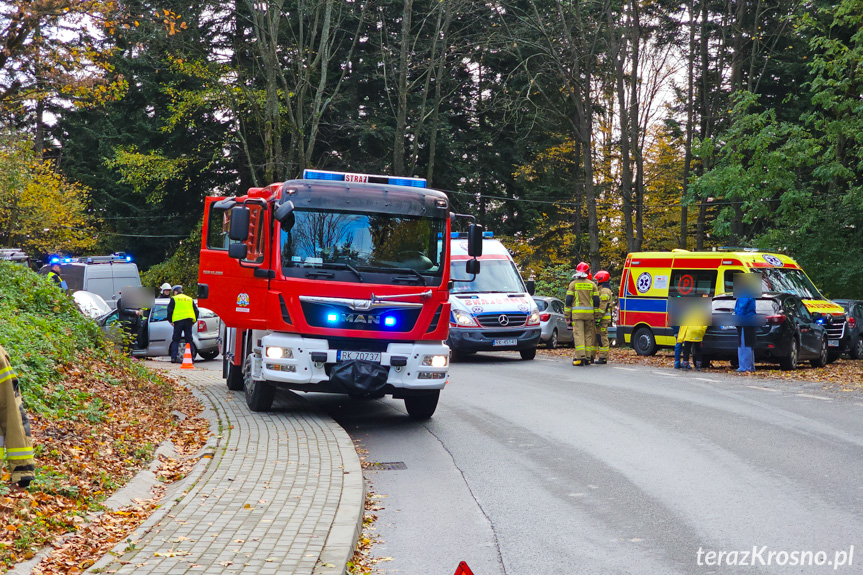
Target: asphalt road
(538, 467)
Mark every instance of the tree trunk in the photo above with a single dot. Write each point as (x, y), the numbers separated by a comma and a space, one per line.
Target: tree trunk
(402, 87)
(687, 153)
(618, 55)
(634, 124)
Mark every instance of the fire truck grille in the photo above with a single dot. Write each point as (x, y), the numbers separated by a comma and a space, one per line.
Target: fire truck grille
(502, 319)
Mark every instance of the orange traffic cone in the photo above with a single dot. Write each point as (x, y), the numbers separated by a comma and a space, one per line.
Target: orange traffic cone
(187, 358)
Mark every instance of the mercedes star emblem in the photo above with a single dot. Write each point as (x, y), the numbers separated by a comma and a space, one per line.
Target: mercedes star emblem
(503, 320)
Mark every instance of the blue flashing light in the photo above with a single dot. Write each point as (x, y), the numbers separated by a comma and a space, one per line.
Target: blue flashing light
(55, 260)
(319, 175)
(67, 260)
(128, 258)
(488, 234)
(389, 321)
(411, 182)
(332, 317)
(454, 236)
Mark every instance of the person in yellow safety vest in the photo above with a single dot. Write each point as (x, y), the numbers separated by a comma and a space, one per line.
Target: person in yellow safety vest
(582, 298)
(182, 313)
(16, 447)
(55, 276)
(603, 313)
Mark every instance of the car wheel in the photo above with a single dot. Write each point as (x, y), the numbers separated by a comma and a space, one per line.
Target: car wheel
(527, 353)
(209, 355)
(821, 361)
(553, 343)
(259, 394)
(644, 342)
(789, 362)
(422, 406)
(856, 351)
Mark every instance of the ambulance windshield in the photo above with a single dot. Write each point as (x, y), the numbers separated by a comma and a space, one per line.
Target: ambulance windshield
(356, 246)
(786, 280)
(496, 276)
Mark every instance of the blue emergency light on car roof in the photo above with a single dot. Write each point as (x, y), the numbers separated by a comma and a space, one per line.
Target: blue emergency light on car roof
(463, 235)
(364, 178)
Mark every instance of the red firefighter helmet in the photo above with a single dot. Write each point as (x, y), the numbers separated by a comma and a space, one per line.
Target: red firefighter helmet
(602, 276)
(583, 268)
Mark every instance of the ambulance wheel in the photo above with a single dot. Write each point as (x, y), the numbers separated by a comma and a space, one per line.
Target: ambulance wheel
(527, 354)
(644, 342)
(259, 394)
(422, 406)
(234, 378)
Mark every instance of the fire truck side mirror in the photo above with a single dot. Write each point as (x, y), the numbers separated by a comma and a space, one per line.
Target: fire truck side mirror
(238, 251)
(472, 266)
(284, 210)
(474, 242)
(240, 217)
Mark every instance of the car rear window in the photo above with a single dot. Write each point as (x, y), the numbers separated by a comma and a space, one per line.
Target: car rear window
(762, 306)
(541, 304)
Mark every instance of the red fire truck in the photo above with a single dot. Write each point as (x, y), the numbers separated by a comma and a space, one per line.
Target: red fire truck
(334, 283)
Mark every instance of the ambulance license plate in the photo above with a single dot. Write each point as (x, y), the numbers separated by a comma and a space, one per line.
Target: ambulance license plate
(833, 343)
(361, 355)
(504, 342)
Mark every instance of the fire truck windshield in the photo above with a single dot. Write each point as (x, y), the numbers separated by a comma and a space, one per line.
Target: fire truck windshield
(788, 281)
(363, 247)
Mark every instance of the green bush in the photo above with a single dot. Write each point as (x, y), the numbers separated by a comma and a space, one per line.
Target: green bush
(181, 268)
(42, 329)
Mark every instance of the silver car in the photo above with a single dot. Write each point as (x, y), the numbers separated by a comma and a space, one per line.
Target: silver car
(159, 332)
(552, 322)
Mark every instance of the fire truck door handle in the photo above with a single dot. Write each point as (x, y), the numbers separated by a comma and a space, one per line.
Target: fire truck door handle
(264, 273)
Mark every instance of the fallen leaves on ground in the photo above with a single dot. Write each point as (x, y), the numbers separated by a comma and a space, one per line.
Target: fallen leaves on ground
(81, 461)
(843, 374)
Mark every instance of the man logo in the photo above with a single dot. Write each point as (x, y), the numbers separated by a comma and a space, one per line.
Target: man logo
(361, 318)
(503, 320)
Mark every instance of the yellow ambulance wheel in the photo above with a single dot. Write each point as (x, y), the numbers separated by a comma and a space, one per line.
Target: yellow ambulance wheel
(644, 342)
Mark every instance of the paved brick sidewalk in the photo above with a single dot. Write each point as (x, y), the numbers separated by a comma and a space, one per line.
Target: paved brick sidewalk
(282, 494)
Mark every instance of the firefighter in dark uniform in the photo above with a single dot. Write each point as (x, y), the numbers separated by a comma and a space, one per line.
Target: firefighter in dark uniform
(16, 447)
(182, 313)
(582, 299)
(603, 313)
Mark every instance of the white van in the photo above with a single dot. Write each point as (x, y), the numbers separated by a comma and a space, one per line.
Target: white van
(102, 275)
(495, 311)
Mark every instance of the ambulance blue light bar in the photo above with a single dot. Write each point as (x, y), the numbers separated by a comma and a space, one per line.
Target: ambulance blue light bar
(463, 235)
(364, 178)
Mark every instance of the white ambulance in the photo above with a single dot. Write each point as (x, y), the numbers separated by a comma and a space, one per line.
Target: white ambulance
(494, 311)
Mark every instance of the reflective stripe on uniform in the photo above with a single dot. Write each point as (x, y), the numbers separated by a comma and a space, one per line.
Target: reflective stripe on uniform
(15, 453)
(6, 375)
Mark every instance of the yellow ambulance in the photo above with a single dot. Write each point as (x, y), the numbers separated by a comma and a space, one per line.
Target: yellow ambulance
(651, 278)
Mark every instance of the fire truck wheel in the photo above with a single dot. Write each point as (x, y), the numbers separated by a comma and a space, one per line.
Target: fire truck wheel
(422, 406)
(259, 394)
(235, 377)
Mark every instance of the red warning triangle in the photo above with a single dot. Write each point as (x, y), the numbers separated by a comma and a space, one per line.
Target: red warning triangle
(463, 569)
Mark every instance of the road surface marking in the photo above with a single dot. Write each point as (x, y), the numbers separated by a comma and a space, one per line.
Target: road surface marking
(763, 388)
(626, 368)
(706, 379)
(665, 373)
(815, 397)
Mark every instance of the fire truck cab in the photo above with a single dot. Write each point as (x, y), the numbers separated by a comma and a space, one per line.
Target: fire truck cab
(335, 283)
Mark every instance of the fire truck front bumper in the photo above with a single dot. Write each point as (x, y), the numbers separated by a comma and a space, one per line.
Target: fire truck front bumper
(294, 361)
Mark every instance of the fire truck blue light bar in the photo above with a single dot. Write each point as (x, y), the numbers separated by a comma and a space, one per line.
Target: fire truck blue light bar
(364, 178)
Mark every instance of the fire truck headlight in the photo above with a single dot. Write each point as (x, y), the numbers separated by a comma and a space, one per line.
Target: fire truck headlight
(463, 319)
(435, 360)
(279, 353)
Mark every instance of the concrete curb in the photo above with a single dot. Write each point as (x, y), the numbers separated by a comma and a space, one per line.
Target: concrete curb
(348, 522)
